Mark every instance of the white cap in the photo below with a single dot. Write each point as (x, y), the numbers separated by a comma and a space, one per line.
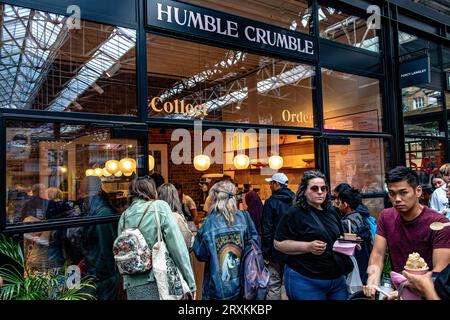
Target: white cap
(279, 177)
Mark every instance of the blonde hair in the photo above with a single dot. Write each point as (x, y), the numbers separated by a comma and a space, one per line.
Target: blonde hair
(223, 200)
(444, 169)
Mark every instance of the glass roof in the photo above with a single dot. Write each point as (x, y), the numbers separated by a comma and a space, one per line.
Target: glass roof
(31, 40)
(28, 38)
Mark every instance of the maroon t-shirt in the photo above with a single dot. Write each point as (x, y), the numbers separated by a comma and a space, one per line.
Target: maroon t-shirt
(405, 237)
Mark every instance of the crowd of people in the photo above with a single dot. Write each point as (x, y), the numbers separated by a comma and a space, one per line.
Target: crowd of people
(297, 233)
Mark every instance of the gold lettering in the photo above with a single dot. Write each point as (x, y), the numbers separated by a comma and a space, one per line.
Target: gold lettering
(167, 110)
(153, 104)
(286, 115)
(178, 106)
(204, 110)
(190, 109)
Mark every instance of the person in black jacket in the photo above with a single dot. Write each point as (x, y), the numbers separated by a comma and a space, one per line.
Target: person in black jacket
(274, 208)
(347, 202)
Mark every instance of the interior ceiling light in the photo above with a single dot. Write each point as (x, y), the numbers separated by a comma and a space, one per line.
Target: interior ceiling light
(127, 165)
(118, 174)
(202, 162)
(112, 166)
(98, 172)
(151, 162)
(89, 172)
(275, 162)
(241, 161)
(106, 173)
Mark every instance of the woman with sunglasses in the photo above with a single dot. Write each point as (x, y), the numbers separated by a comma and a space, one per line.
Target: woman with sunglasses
(306, 233)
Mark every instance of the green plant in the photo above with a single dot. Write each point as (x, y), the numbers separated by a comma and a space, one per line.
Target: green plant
(22, 283)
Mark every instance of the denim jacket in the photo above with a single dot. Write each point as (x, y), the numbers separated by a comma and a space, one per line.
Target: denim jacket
(221, 246)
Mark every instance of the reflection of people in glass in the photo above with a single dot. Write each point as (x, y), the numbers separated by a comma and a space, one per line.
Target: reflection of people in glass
(57, 208)
(18, 148)
(37, 205)
(99, 239)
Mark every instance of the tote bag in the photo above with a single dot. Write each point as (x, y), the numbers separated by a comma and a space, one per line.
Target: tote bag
(170, 281)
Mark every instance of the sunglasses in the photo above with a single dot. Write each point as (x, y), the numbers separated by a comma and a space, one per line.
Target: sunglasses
(316, 188)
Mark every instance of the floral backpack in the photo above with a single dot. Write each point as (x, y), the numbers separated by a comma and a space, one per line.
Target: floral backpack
(131, 252)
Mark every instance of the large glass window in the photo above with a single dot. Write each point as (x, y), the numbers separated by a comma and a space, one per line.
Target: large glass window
(194, 81)
(46, 63)
(293, 15)
(422, 104)
(348, 29)
(175, 159)
(61, 171)
(351, 102)
(361, 164)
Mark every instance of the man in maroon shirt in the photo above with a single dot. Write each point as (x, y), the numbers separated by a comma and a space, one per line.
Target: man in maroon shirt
(405, 229)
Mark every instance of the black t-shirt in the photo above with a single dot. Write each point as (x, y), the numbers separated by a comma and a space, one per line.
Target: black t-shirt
(299, 225)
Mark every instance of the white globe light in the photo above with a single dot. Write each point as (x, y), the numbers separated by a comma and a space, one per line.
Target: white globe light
(98, 172)
(112, 166)
(151, 163)
(127, 165)
(89, 172)
(128, 173)
(106, 173)
(241, 161)
(202, 162)
(118, 174)
(275, 162)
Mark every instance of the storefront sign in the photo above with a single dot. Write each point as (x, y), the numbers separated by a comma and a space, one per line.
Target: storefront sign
(299, 117)
(214, 25)
(177, 106)
(415, 72)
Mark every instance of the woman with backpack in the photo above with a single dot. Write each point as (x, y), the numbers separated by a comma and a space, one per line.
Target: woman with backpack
(306, 233)
(220, 242)
(143, 208)
(168, 193)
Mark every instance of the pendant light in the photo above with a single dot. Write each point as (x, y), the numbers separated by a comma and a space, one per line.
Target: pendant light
(275, 162)
(151, 162)
(127, 165)
(89, 172)
(106, 173)
(118, 174)
(241, 161)
(202, 162)
(112, 166)
(98, 172)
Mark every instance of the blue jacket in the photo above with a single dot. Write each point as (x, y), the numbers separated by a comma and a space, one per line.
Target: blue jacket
(221, 247)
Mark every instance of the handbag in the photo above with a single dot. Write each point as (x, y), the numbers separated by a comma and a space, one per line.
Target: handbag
(170, 281)
(343, 262)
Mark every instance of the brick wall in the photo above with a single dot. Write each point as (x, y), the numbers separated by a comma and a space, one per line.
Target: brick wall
(185, 174)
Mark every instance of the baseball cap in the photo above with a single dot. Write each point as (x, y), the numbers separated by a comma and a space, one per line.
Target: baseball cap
(279, 177)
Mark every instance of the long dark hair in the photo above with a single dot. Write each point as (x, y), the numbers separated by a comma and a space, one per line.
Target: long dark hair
(300, 198)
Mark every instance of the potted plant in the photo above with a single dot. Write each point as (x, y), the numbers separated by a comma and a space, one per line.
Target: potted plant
(22, 283)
